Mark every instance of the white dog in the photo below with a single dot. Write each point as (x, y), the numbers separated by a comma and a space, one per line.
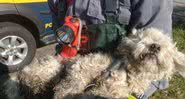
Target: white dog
(141, 58)
(148, 56)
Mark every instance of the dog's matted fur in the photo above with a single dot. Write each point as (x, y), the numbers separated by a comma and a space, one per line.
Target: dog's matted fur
(80, 74)
(40, 77)
(35, 81)
(149, 55)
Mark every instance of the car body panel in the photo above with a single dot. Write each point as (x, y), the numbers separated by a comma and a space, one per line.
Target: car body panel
(22, 1)
(7, 9)
(35, 10)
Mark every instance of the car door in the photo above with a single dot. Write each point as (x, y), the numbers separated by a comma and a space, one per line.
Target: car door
(37, 10)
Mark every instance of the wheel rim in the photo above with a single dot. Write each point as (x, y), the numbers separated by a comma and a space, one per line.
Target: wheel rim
(13, 50)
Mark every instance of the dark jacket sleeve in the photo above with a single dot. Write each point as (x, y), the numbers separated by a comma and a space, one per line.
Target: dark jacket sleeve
(152, 13)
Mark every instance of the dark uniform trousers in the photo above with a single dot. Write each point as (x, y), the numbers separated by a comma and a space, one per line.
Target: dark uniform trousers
(135, 13)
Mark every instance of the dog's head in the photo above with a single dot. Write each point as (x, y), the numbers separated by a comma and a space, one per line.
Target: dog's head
(151, 47)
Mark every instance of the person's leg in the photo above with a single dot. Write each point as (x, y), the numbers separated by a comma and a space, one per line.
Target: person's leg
(152, 13)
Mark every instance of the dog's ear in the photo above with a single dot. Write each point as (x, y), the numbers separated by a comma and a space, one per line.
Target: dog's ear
(126, 44)
(179, 60)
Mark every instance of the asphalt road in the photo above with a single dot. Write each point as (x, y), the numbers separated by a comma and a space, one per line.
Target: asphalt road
(46, 50)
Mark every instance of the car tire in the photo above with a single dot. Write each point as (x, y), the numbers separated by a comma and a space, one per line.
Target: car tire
(17, 42)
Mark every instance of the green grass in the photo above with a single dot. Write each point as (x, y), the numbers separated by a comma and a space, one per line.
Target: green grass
(179, 34)
(176, 89)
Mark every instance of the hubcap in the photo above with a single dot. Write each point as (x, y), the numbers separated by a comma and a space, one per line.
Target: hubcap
(13, 50)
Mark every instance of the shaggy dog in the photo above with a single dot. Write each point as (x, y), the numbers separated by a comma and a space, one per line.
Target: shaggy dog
(35, 81)
(146, 56)
(39, 78)
(141, 58)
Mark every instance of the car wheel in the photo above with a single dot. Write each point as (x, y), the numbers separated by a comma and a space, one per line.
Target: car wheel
(17, 47)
